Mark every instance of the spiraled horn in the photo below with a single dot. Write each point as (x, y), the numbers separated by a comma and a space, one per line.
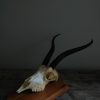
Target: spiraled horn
(50, 53)
(67, 53)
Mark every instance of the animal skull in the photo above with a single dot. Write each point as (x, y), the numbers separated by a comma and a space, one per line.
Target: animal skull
(39, 80)
(47, 73)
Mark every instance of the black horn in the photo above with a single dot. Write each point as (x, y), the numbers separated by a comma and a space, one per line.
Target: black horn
(50, 53)
(68, 52)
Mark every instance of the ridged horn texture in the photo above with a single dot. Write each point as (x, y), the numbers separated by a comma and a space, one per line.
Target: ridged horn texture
(67, 53)
(51, 51)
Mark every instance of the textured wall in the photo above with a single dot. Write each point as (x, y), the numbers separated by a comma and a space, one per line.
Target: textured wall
(27, 27)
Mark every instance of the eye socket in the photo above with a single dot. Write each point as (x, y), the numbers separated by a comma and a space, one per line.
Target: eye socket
(50, 76)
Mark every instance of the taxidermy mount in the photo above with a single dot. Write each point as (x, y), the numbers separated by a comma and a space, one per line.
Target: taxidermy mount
(48, 73)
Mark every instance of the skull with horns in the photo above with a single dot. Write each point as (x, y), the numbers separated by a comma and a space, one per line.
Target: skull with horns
(47, 73)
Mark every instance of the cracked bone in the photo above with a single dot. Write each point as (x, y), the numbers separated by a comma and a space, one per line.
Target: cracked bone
(38, 81)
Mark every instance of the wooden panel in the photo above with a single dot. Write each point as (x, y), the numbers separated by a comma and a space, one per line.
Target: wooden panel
(51, 92)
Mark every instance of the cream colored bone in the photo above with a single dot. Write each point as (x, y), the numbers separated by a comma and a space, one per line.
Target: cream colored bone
(39, 80)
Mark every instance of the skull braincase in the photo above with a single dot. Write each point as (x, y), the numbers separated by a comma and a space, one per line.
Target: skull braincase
(39, 80)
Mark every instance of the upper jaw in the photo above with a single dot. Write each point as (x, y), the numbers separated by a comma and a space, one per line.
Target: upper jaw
(39, 80)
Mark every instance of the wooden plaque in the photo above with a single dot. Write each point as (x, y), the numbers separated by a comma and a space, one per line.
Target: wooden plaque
(51, 92)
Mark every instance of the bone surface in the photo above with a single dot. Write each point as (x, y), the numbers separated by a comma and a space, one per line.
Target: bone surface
(38, 81)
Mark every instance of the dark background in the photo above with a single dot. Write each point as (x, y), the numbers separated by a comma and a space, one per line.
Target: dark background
(27, 27)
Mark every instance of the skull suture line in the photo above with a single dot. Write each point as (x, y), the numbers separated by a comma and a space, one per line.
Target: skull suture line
(47, 73)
